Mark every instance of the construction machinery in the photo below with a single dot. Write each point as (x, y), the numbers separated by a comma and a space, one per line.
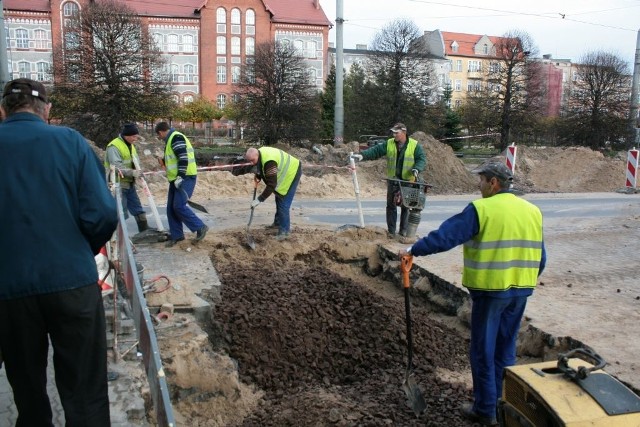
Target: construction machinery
(572, 392)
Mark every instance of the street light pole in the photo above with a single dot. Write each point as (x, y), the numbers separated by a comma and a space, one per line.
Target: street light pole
(4, 63)
(338, 120)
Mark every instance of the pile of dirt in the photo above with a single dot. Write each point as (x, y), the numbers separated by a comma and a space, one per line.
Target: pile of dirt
(325, 348)
(326, 175)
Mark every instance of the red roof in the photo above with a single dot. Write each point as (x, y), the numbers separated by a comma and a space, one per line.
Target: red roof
(296, 12)
(466, 43)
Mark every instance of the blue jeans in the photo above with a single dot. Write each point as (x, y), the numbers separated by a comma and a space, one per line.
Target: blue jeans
(178, 212)
(283, 205)
(131, 202)
(494, 330)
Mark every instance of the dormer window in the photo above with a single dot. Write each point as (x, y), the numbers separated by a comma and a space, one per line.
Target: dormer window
(454, 46)
(485, 49)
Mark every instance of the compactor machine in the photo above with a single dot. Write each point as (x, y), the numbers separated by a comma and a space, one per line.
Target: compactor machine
(572, 392)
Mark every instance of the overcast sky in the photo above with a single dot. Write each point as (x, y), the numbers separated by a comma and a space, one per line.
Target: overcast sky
(565, 29)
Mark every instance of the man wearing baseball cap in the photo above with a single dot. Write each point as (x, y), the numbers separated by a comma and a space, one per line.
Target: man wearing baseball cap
(120, 153)
(405, 161)
(503, 256)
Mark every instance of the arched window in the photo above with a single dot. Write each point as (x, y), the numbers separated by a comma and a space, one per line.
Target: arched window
(250, 22)
(187, 43)
(235, 45)
(221, 45)
(221, 15)
(172, 43)
(249, 46)
(188, 73)
(42, 69)
(41, 38)
(235, 16)
(188, 98)
(24, 70)
(70, 9)
(222, 101)
(175, 72)
(310, 51)
(158, 40)
(222, 74)
(250, 17)
(235, 74)
(22, 38)
(485, 49)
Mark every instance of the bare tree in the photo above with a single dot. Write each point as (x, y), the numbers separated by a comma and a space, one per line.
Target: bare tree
(598, 102)
(110, 72)
(403, 73)
(276, 95)
(513, 77)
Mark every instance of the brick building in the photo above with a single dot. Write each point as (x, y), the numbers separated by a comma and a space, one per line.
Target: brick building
(204, 42)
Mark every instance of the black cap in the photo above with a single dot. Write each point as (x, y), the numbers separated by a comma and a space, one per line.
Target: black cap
(25, 87)
(130, 129)
(497, 169)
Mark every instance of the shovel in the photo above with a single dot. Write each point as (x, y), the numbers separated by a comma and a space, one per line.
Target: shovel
(415, 400)
(250, 242)
(194, 205)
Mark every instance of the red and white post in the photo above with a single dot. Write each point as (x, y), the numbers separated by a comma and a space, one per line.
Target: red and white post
(632, 169)
(511, 157)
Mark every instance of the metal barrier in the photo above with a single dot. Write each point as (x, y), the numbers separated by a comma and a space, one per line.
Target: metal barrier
(148, 343)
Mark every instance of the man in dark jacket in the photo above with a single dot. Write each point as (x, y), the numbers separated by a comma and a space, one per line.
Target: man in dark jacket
(57, 213)
(405, 161)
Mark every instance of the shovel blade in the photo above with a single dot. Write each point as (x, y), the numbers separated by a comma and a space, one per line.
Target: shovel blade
(250, 242)
(415, 400)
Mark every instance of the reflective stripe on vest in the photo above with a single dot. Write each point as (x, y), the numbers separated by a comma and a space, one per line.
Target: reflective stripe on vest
(171, 161)
(506, 252)
(125, 154)
(287, 167)
(407, 164)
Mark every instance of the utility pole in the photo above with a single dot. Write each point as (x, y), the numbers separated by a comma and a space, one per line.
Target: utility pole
(4, 63)
(338, 119)
(634, 119)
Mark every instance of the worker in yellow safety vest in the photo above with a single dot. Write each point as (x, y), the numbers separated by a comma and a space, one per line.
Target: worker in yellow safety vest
(504, 254)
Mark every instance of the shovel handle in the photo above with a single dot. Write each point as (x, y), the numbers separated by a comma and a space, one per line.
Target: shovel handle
(405, 265)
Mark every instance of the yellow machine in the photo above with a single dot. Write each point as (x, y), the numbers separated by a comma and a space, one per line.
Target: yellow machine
(566, 393)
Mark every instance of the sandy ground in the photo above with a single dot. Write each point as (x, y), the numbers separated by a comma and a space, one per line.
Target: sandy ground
(589, 260)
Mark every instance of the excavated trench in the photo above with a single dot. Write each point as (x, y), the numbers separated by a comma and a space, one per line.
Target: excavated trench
(311, 332)
(326, 348)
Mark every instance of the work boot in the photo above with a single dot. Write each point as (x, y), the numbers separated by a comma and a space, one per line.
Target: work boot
(468, 413)
(141, 220)
(201, 233)
(170, 243)
(283, 235)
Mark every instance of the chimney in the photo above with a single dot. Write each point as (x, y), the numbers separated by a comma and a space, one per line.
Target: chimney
(316, 3)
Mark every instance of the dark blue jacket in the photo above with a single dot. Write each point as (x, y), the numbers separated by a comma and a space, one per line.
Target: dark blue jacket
(56, 211)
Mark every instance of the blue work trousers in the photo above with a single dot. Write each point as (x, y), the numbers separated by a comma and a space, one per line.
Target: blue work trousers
(178, 212)
(131, 202)
(283, 205)
(494, 330)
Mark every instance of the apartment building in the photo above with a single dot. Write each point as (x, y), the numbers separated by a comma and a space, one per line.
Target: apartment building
(205, 43)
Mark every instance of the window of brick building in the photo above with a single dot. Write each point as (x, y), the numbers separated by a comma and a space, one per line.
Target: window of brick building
(222, 73)
(221, 20)
(172, 43)
(222, 101)
(189, 73)
(221, 45)
(187, 43)
(22, 39)
(235, 21)
(235, 45)
(24, 70)
(250, 22)
(41, 39)
(249, 46)
(235, 74)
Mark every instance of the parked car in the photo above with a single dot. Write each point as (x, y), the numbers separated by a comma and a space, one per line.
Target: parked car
(367, 141)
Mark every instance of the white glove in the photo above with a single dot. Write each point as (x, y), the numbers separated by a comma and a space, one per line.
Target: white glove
(178, 182)
(255, 203)
(415, 173)
(356, 157)
(136, 173)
